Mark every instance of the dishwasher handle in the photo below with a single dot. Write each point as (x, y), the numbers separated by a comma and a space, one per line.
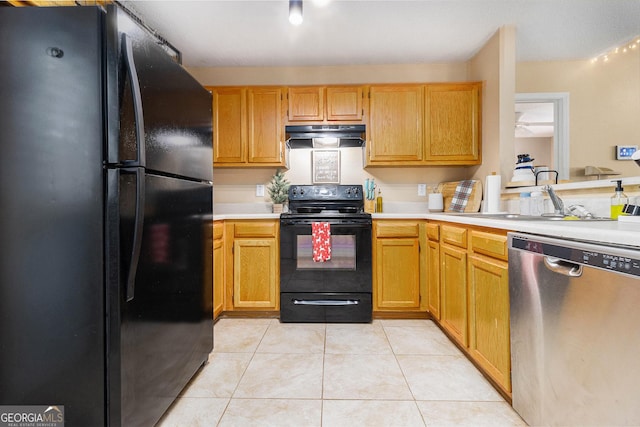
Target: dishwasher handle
(563, 267)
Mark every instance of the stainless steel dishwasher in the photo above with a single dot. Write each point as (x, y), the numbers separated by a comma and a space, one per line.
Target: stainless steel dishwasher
(575, 332)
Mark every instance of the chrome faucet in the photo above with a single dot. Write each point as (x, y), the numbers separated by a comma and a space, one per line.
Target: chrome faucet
(558, 205)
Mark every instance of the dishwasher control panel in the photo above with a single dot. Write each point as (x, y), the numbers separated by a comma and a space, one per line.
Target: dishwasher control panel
(621, 260)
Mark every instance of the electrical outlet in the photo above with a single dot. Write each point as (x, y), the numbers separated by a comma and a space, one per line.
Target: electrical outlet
(259, 190)
(422, 189)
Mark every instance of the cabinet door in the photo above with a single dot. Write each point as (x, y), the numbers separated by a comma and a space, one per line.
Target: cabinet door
(265, 125)
(306, 103)
(255, 274)
(452, 123)
(453, 279)
(345, 103)
(395, 124)
(489, 317)
(218, 269)
(433, 278)
(229, 125)
(397, 274)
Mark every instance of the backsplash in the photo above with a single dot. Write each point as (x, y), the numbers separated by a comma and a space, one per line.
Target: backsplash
(237, 185)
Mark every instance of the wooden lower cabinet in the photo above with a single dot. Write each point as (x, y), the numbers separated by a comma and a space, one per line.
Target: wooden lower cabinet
(489, 341)
(254, 273)
(398, 280)
(433, 278)
(453, 279)
(473, 304)
(433, 269)
(218, 268)
(253, 268)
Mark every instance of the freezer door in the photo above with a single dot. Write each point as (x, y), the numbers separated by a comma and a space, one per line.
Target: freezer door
(165, 330)
(51, 212)
(163, 105)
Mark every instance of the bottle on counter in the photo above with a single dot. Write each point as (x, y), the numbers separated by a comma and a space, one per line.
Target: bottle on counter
(536, 203)
(618, 200)
(525, 203)
(379, 201)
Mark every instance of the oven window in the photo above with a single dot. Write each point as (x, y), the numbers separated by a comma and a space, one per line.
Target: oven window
(343, 253)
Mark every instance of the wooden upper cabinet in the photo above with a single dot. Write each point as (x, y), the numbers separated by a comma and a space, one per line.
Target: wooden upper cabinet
(265, 137)
(229, 125)
(306, 103)
(247, 126)
(325, 104)
(452, 123)
(395, 125)
(345, 103)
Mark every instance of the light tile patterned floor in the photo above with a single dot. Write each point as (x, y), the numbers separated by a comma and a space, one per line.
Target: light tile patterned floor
(388, 373)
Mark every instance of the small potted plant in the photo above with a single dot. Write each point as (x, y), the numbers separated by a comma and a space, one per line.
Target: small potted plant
(278, 191)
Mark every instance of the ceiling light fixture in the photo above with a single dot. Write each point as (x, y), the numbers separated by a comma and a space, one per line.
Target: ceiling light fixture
(295, 12)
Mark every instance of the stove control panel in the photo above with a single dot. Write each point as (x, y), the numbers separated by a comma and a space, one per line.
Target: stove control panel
(326, 192)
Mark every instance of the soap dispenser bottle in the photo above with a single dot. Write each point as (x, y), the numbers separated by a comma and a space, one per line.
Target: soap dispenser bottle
(618, 200)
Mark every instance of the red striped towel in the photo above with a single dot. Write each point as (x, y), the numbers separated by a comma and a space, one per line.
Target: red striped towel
(321, 240)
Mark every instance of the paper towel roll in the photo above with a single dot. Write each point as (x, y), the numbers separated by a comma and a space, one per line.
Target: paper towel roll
(492, 188)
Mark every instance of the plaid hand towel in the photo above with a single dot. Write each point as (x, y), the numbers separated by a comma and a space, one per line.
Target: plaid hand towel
(461, 195)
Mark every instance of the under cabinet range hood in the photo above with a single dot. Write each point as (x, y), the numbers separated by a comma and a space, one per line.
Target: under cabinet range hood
(325, 136)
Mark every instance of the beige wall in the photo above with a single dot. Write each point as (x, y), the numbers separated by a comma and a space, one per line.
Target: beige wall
(397, 184)
(354, 74)
(495, 65)
(540, 148)
(604, 106)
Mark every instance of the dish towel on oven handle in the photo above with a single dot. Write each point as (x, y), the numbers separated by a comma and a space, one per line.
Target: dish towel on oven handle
(321, 241)
(461, 196)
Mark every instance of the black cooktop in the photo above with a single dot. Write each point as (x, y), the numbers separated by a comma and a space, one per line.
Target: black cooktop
(326, 201)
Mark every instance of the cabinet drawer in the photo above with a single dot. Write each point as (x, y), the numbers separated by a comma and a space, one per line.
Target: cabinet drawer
(433, 232)
(255, 229)
(397, 229)
(218, 230)
(490, 244)
(454, 236)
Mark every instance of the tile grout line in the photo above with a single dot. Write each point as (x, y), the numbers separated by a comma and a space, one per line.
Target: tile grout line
(404, 376)
(235, 389)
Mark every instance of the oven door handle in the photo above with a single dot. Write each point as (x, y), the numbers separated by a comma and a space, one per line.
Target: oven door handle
(326, 302)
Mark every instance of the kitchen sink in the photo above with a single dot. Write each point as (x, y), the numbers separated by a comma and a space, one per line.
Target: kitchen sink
(518, 217)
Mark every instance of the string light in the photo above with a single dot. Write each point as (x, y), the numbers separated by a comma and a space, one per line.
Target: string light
(624, 48)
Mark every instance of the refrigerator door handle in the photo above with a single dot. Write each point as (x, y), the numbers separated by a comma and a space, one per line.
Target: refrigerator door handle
(137, 232)
(129, 61)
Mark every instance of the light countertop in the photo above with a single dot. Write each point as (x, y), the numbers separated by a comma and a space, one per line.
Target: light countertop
(606, 232)
(257, 215)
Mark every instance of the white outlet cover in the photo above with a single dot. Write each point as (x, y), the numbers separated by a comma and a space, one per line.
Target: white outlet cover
(259, 190)
(422, 189)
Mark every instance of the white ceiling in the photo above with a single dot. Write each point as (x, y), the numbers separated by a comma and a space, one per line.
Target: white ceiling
(224, 33)
(534, 119)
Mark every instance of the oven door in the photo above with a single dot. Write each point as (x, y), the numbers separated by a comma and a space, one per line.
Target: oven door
(349, 269)
(338, 290)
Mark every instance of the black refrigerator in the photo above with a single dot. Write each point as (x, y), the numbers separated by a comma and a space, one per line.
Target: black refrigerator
(105, 217)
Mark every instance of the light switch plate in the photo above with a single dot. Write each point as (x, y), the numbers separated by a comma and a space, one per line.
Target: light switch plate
(259, 190)
(422, 189)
